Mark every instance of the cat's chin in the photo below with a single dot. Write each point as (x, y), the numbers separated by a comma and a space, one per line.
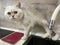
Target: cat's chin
(13, 19)
(17, 20)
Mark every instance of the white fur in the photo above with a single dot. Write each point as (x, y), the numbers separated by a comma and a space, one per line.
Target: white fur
(28, 19)
(11, 9)
(57, 33)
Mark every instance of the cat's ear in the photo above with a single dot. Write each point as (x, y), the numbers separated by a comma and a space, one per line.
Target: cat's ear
(4, 8)
(18, 5)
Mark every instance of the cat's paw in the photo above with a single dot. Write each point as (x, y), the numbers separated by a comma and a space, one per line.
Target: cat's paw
(24, 37)
(45, 35)
(54, 38)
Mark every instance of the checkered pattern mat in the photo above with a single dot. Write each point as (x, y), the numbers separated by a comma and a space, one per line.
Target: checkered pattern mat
(10, 37)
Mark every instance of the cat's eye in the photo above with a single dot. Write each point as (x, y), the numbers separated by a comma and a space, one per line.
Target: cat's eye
(15, 12)
(9, 13)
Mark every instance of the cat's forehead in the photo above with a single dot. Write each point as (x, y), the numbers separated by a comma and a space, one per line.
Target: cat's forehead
(10, 8)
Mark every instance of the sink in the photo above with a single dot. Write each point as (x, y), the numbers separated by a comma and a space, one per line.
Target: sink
(36, 40)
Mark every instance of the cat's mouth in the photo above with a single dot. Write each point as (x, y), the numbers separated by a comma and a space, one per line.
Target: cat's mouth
(13, 18)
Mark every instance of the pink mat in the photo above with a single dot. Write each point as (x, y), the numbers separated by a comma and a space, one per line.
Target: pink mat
(13, 38)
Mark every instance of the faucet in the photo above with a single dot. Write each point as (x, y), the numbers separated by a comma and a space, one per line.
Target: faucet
(53, 17)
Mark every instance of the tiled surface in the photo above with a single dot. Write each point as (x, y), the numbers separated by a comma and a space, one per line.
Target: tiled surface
(4, 33)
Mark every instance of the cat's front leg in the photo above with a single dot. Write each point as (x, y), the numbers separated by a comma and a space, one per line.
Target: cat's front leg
(48, 32)
(44, 24)
(27, 31)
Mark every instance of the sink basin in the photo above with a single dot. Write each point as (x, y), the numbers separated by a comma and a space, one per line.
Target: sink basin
(35, 40)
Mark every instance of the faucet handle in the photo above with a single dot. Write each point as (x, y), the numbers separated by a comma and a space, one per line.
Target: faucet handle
(51, 24)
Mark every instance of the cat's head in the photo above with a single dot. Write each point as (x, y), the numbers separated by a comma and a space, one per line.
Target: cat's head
(14, 12)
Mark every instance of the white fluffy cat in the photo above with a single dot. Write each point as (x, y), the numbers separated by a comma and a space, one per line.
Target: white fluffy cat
(27, 18)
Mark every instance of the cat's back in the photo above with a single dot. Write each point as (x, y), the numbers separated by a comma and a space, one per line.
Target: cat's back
(34, 12)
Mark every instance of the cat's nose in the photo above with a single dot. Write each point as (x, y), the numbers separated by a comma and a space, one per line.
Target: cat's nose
(13, 16)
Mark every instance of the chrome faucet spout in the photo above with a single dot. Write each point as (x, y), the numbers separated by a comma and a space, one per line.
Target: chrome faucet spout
(53, 18)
